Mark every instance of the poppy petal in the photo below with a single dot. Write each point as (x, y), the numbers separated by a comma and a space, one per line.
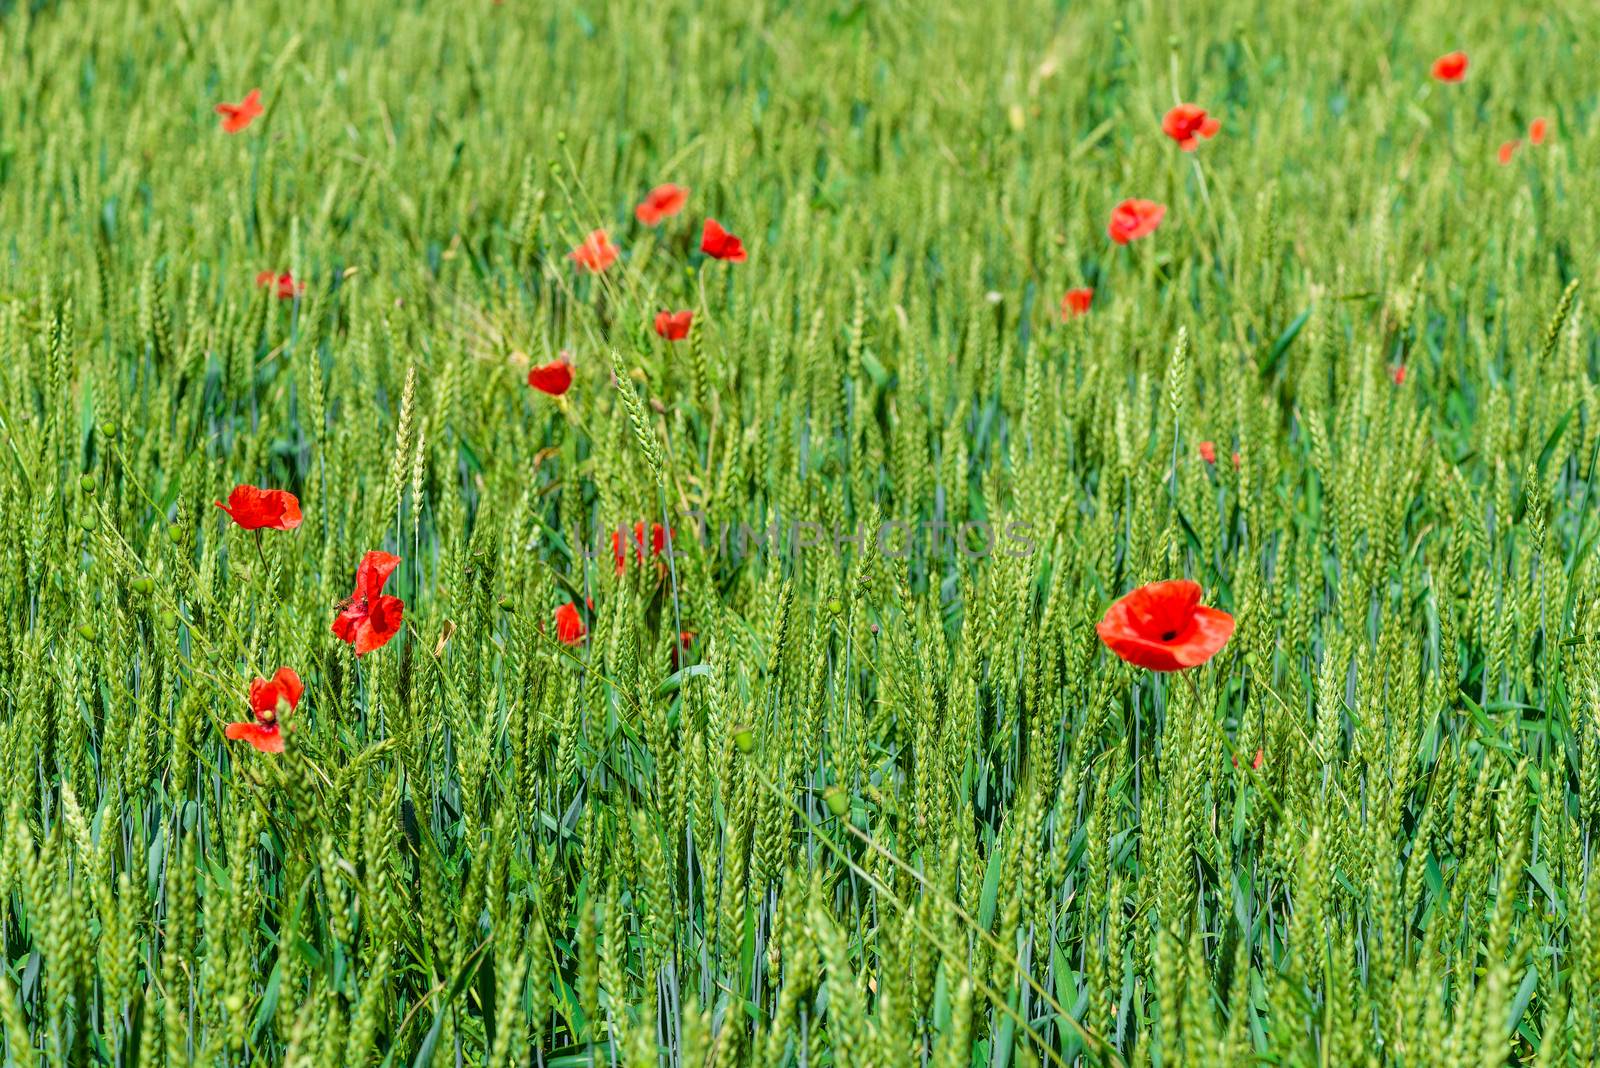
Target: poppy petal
(268, 738)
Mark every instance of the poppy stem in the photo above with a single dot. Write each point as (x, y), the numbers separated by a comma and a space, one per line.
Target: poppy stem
(260, 553)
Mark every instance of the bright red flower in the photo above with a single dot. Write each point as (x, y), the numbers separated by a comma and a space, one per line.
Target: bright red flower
(1237, 459)
(1076, 302)
(685, 640)
(1164, 627)
(596, 253)
(1187, 123)
(1536, 131)
(1398, 373)
(270, 700)
(674, 326)
(287, 286)
(254, 508)
(1507, 150)
(1134, 219)
(369, 618)
(236, 117)
(569, 624)
(658, 542)
(1208, 452)
(1451, 67)
(1255, 763)
(721, 245)
(662, 202)
(554, 378)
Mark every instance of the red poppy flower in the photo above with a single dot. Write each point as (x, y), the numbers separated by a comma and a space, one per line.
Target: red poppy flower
(658, 542)
(270, 700)
(1255, 763)
(236, 117)
(1398, 373)
(685, 640)
(1076, 302)
(662, 202)
(1507, 150)
(1536, 131)
(674, 326)
(287, 286)
(1134, 219)
(554, 378)
(254, 508)
(1208, 452)
(1187, 123)
(569, 624)
(369, 618)
(1164, 627)
(721, 245)
(1451, 67)
(1237, 459)
(596, 253)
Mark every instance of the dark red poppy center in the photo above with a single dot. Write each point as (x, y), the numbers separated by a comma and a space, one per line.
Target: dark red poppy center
(1168, 636)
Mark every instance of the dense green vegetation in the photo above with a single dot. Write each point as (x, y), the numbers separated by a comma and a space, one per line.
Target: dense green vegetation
(798, 794)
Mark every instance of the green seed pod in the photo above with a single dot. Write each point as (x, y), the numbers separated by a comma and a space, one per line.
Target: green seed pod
(88, 521)
(175, 534)
(143, 585)
(86, 632)
(745, 739)
(507, 606)
(86, 483)
(169, 619)
(838, 801)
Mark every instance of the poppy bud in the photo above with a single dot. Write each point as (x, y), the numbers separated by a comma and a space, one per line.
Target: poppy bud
(86, 483)
(175, 534)
(108, 429)
(836, 606)
(838, 801)
(86, 632)
(745, 739)
(506, 606)
(143, 584)
(88, 521)
(169, 619)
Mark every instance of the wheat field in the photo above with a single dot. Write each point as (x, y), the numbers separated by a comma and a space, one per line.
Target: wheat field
(692, 479)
